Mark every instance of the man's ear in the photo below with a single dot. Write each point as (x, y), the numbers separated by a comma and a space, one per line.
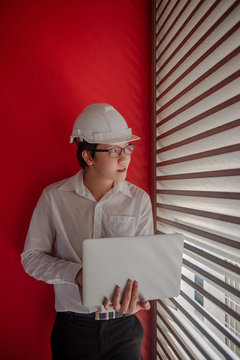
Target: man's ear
(87, 157)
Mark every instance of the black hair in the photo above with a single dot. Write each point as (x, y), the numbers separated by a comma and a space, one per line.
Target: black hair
(84, 145)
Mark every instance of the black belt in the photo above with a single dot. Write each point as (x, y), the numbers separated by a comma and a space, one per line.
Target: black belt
(96, 315)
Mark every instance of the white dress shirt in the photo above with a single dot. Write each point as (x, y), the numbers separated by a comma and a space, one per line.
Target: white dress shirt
(65, 215)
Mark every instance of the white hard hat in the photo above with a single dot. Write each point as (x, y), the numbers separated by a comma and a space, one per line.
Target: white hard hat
(101, 124)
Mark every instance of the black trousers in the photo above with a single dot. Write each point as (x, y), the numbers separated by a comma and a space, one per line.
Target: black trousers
(82, 338)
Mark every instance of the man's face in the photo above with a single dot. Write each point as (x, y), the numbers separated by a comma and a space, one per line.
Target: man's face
(114, 169)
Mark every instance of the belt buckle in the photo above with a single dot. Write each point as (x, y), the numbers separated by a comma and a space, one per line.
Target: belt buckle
(104, 315)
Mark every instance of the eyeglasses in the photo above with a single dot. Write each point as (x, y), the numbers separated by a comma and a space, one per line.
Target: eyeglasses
(116, 152)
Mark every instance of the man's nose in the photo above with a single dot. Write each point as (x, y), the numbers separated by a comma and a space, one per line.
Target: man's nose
(124, 159)
(123, 155)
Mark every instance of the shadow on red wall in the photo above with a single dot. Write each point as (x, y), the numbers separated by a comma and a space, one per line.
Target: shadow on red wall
(57, 57)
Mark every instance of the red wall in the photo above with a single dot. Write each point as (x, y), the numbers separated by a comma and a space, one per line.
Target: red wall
(56, 58)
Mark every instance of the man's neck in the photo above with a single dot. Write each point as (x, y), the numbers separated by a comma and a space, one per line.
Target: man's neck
(96, 184)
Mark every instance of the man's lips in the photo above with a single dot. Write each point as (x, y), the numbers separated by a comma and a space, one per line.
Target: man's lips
(122, 170)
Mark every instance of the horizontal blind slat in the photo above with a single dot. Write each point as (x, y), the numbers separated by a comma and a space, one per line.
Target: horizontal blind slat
(199, 347)
(214, 162)
(207, 214)
(225, 204)
(212, 298)
(203, 174)
(197, 156)
(179, 14)
(212, 279)
(220, 249)
(211, 194)
(163, 349)
(195, 45)
(224, 183)
(202, 96)
(169, 343)
(230, 254)
(196, 63)
(176, 3)
(201, 135)
(205, 234)
(225, 264)
(176, 336)
(214, 109)
(179, 30)
(211, 319)
(162, 12)
(190, 33)
(201, 78)
(205, 333)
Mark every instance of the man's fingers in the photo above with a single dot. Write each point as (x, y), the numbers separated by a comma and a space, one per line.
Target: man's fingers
(134, 297)
(116, 298)
(126, 297)
(129, 304)
(107, 304)
(144, 305)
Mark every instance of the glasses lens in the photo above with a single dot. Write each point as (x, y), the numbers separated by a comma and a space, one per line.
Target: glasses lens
(129, 149)
(116, 152)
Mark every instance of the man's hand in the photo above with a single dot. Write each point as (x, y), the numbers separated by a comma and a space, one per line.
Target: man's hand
(129, 304)
(78, 278)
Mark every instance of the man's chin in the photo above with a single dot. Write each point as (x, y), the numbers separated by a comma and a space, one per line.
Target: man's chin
(121, 175)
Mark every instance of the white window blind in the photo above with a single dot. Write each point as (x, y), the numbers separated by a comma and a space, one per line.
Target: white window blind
(196, 107)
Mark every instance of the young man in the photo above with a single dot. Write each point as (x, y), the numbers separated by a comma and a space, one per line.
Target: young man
(96, 202)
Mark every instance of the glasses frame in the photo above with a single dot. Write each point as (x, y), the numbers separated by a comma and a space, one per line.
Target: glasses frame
(117, 147)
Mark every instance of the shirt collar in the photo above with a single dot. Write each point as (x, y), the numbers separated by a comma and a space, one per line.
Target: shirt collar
(75, 183)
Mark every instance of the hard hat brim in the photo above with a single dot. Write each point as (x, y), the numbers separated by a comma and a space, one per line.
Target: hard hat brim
(107, 141)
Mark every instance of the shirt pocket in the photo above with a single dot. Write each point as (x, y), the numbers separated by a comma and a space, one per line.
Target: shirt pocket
(121, 226)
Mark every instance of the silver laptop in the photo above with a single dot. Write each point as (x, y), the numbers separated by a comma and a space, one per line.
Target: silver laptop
(154, 261)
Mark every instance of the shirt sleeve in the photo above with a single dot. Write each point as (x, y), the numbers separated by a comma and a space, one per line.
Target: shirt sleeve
(37, 258)
(145, 225)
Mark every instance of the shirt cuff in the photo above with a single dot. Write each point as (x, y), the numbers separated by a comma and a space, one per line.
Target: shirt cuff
(71, 273)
